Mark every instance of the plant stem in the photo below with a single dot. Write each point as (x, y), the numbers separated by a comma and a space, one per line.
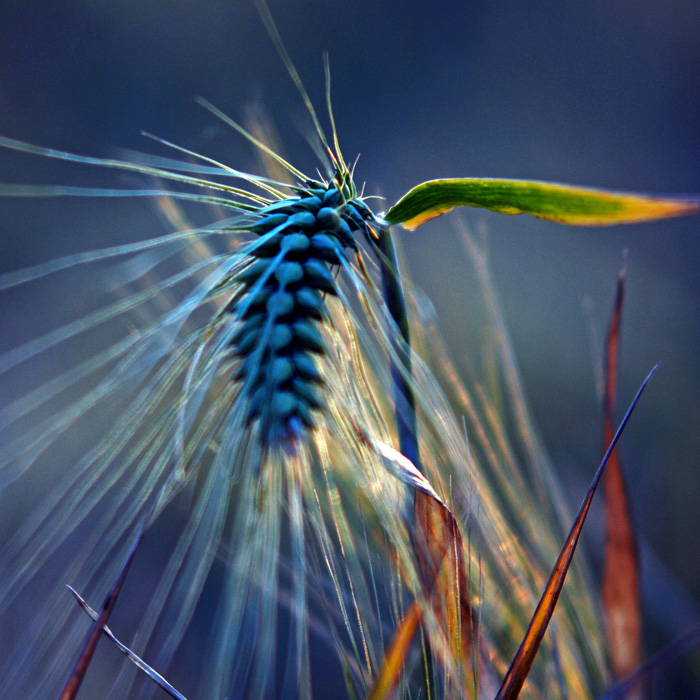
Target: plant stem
(403, 392)
(404, 400)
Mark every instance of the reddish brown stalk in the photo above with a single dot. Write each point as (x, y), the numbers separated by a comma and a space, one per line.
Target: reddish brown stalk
(525, 656)
(72, 686)
(621, 569)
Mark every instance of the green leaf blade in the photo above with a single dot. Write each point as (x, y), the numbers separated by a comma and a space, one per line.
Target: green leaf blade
(578, 206)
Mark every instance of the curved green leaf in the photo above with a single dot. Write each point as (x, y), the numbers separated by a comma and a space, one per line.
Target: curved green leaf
(579, 206)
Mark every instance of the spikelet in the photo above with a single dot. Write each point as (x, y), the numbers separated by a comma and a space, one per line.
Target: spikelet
(247, 417)
(282, 304)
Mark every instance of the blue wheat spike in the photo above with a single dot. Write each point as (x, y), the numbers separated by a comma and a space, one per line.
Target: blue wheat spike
(282, 305)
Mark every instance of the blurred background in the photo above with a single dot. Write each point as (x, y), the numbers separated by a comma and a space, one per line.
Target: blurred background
(599, 92)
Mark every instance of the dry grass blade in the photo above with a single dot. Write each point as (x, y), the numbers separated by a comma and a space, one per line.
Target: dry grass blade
(525, 656)
(438, 547)
(72, 686)
(621, 569)
(140, 663)
(394, 659)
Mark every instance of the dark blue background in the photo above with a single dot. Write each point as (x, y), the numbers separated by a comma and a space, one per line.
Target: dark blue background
(597, 92)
